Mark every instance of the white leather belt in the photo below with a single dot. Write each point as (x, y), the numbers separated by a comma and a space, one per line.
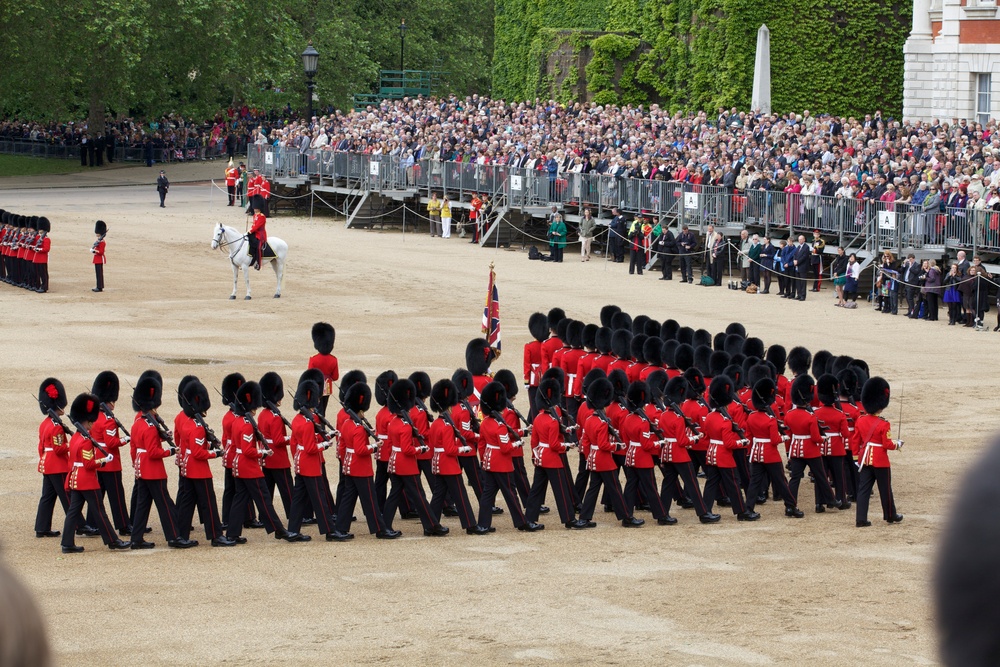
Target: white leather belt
(492, 446)
(716, 442)
(270, 442)
(543, 445)
(239, 451)
(349, 451)
(633, 443)
(383, 437)
(436, 449)
(48, 449)
(77, 464)
(801, 437)
(670, 440)
(140, 451)
(397, 449)
(300, 448)
(760, 440)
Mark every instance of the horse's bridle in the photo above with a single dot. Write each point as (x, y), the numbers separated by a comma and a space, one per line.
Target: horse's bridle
(222, 244)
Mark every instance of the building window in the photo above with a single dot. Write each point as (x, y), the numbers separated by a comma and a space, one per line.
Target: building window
(984, 84)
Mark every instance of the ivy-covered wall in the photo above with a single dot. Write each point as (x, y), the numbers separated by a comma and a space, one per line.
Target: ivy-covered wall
(834, 56)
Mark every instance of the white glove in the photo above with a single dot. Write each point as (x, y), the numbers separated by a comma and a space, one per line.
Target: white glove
(899, 444)
(464, 450)
(109, 458)
(126, 440)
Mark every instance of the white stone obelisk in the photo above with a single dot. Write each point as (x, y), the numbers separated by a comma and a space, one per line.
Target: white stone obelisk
(760, 101)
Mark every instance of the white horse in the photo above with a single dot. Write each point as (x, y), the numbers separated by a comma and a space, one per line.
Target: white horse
(233, 242)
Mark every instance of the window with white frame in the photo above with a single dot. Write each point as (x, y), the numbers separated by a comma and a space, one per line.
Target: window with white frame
(984, 85)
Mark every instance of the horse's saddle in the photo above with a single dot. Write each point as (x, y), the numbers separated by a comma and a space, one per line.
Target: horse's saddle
(266, 252)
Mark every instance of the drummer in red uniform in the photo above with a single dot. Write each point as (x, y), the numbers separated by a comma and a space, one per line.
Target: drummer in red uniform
(874, 443)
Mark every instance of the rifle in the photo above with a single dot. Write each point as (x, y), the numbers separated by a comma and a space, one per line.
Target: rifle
(656, 430)
(86, 434)
(405, 418)
(161, 428)
(362, 421)
(736, 427)
(109, 413)
(68, 431)
(527, 424)
(98, 242)
(473, 419)
(444, 416)
(263, 450)
(569, 438)
(616, 437)
(688, 422)
(274, 408)
(213, 440)
(497, 417)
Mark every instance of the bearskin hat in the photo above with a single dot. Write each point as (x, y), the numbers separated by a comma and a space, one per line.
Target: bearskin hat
(667, 352)
(702, 337)
(719, 341)
(230, 384)
(600, 394)
(847, 380)
(776, 355)
(444, 395)
(668, 330)
(557, 374)
(402, 396)
(51, 395)
(637, 395)
(603, 340)
(652, 328)
(272, 388)
(656, 381)
(703, 359)
(684, 357)
(875, 395)
(386, 379)
(196, 400)
(478, 356)
(148, 394)
(44, 225)
(753, 347)
(820, 361)
(247, 398)
(421, 384)
(758, 372)
(717, 363)
(737, 359)
(839, 364)
(538, 326)
(675, 391)
(307, 395)
(636, 346)
(802, 390)
(574, 333)
(639, 324)
(106, 387)
(862, 378)
(799, 359)
(696, 383)
(561, 330)
(323, 335)
(747, 363)
(509, 382)
(733, 344)
(493, 397)
(863, 365)
(720, 392)
(651, 351)
(462, 380)
(314, 375)
(738, 329)
(593, 374)
(183, 383)
(555, 316)
(549, 394)
(351, 378)
(85, 408)
(619, 380)
(607, 315)
(763, 394)
(590, 336)
(621, 342)
(101, 227)
(734, 371)
(359, 397)
(827, 389)
(622, 320)
(685, 335)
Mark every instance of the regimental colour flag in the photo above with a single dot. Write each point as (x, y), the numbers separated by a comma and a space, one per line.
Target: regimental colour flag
(491, 313)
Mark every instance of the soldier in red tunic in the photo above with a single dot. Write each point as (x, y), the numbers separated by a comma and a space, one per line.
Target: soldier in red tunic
(875, 442)
(383, 382)
(765, 459)
(538, 327)
(101, 230)
(309, 441)
(836, 445)
(447, 443)
(43, 244)
(640, 436)
(553, 342)
(464, 417)
(82, 481)
(106, 432)
(257, 237)
(324, 335)
(53, 455)
(357, 467)
(278, 466)
(230, 384)
(680, 433)
(805, 445)
(478, 357)
(720, 466)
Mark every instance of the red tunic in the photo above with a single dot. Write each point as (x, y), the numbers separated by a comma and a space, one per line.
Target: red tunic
(582, 415)
(306, 453)
(853, 413)
(619, 364)
(273, 430)
(497, 446)
(193, 454)
(804, 430)
(382, 418)
(357, 449)
(149, 451)
(599, 445)
(105, 431)
(259, 227)
(227, 439)
(53, 448)
(246, 463)
(585, 365)
(181, 422)
(551, 344)
(570, 362)
(42, 254)
(762, 430)
(532, 363)
(512, 420)
(696, 412)
(99, 257)
(546, 441)
(675, 434)
(421, 421)
(83, 458)
(835, 423)
(641, 444)
(876, 440)
(722, 441)
(463, 420)
(327, 363)
(444, 449)
(403, 459)
(478, 383)
(603, 361)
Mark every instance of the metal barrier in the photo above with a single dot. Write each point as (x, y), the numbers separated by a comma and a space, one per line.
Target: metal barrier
(121, 153)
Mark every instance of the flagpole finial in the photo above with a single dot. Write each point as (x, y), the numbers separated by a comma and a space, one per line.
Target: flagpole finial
(491, 266)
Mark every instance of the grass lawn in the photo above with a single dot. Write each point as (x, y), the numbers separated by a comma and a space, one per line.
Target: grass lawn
(19, 165)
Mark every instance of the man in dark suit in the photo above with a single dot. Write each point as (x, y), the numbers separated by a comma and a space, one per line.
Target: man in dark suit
(801, 260)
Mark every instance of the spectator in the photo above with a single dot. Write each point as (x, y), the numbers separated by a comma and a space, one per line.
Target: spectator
(557, 237)
(839, 270)
(952, 296)
(851, 282)
(434, 213)
(768, 252)
(932, 287)
(588, 227)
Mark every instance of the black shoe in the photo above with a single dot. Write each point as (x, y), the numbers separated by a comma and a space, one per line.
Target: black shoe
(223, 541)
(801, 298)
(761, 500)
(296, 537)
(846, 505)
(724, 502)
(337, 536)
(256, 523)
(578, 524)
(96, 290)
(437, 531)
(141, 544)
(850, 498)
(764, 292)
(531, 527)
(47, 533)
(497, 510)
(181, 543)
(862, 524)
(450, 510)
(748, 516)
(72, 550)
(388, 534)
(896, 518)
(240, 540)
(478, 530)
(643, 508)
(119, 545)
(820, 509)
(411, 515)
(667, 521)
(794, 512)
(309, 522)
(543, 510)
(632, 522)
(709, 518)
(687, 504)
(609, 508)
(88, 531)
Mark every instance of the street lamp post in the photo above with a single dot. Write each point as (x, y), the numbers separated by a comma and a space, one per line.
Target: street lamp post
(402, 42)
(310, 59)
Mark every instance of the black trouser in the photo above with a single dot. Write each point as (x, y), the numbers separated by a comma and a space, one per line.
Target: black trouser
(410, 485)
(382, 489)
(869, 477)
(200, 492)
(667, 266)
(453, 487)
(252, 489)
(954, 313)
(504, 483)
(613, 489)
(308, 495)
(154, 491)
(755, 273)
(685, 264)
(715, 270)
(326, 488)
(643, 479)
(43, 277)
(75, 515)
(473, 473)
(557, 253)
(363, 489)
(280, 478)
(796, 466)
(768, 276)
(742, 467)
(817, 271)
(636, 260)
(619, 463)
(912, 300)
(853, 481)
(561, 489)
(232, 194)
(698, 457)
(728, 478)
(521, 479)
(582, 478)
(228, 493)
(932, 306)
(53, 488)
(761, 475)
(99, 270)
(668, 489)
(163, 196)
(838, 471)
(111, 485)
(803, 280)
